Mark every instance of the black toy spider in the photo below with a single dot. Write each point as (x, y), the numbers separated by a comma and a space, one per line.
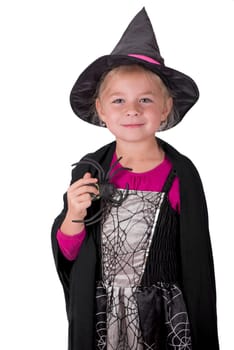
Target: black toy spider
(109, 194)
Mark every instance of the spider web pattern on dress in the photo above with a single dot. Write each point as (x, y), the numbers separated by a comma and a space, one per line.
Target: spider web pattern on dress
(126, 237)
(179, 337)
(173, 331)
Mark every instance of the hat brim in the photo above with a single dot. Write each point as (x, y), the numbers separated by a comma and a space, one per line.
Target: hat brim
(184, 90)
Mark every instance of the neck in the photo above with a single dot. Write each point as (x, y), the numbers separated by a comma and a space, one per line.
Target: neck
(140, 157)
(137, 150)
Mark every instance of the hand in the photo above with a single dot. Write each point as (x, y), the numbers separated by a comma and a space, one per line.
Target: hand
(79, 199)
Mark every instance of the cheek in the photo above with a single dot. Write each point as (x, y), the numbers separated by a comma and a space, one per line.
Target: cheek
(111, 112)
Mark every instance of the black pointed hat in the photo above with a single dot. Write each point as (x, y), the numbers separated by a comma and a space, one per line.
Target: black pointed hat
(138, 45)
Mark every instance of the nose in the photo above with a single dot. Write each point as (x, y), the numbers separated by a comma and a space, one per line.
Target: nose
(132, 110)
(132, 113)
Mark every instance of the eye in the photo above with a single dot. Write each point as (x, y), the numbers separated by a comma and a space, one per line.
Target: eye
(145, 100)
(118, 101)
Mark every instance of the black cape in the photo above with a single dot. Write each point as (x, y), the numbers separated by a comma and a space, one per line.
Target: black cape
(198, 281)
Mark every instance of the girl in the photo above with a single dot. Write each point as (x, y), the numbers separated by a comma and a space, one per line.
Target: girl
(132, 245)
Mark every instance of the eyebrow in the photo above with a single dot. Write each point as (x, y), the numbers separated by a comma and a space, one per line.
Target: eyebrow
(147, 93)
(117, 93)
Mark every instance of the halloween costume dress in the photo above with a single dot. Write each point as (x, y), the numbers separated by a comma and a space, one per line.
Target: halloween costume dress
(140, 272)
(192, 267)
(144, 276)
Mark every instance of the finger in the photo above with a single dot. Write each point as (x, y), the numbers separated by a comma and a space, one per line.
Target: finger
(86, 197)
(79, 205)
(85, 204)
(81, 194)
(83, 181)
(76, 192)
(87, 176)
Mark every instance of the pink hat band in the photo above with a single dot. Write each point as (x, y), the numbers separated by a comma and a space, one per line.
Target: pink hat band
(145, 58)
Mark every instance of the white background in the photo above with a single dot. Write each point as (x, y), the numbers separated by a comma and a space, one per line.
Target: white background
(44, 47)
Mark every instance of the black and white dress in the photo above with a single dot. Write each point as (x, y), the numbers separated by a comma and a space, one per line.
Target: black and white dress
(139, 302)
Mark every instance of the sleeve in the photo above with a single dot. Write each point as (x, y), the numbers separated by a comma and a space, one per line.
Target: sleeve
(70, 245)
(174, 195)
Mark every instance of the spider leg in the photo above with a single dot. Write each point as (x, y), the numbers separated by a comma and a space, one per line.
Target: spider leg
(109, 176)
(125, 194)
(93, 222)
(112, 167)
(117, 171)
(96, 217)
(95, 164)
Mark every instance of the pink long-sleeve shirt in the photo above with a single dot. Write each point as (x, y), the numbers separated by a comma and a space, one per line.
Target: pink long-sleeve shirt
(152, 180)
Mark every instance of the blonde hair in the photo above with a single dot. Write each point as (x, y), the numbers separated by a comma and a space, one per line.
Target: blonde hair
(134, 67)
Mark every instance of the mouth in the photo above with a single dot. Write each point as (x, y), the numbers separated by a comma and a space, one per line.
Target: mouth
(138, 125)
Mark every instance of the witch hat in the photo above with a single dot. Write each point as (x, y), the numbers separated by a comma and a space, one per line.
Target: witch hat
(138, 45)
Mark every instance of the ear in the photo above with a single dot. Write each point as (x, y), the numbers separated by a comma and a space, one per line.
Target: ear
(99, 110)
(167, 108)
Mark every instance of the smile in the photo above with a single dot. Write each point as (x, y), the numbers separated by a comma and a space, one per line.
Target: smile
(132, 125)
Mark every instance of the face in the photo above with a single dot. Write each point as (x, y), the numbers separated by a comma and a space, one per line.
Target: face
(133, 102)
